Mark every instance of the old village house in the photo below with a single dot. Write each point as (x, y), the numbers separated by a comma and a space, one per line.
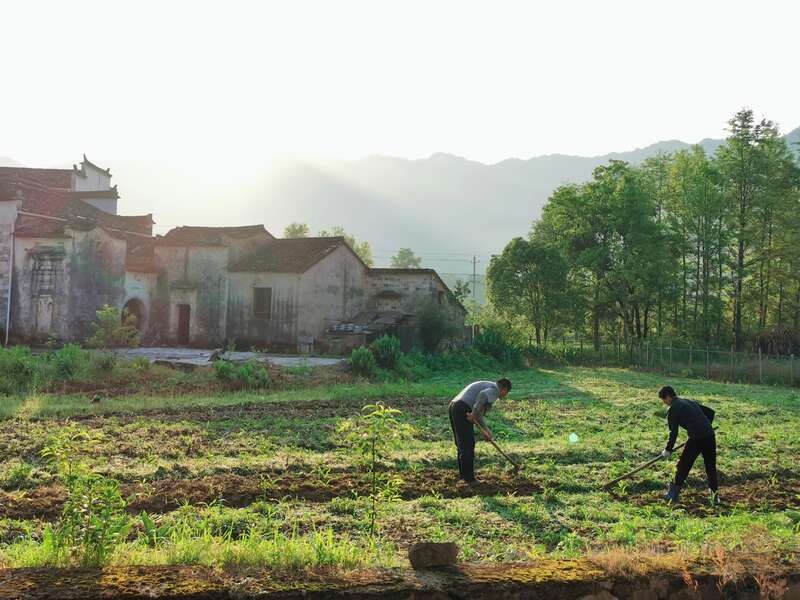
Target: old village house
(65, 252)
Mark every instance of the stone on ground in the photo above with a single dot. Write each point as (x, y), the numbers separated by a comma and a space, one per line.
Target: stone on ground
(427, 555)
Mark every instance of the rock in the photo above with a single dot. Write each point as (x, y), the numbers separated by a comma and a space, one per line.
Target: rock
(602, 595)
(792, 593)
(427, 555)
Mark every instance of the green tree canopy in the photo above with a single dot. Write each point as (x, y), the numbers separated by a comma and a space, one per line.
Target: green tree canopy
(405, 259)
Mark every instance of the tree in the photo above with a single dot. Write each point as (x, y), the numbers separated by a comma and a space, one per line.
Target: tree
(742, 162)
(405, 259)
(296, 230)
(363, 249)
(528, 279)
(461, 290)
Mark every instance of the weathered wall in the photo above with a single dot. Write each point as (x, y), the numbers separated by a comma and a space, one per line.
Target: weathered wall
(8, 213)
(88, 271)
(196, 276)
(142, 287)
(90, 179)
(281, 326)
(408, 291)
(240, 247)
(302, 304)
(332, 290)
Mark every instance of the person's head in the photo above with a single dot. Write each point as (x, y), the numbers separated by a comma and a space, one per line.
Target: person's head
(667, 394)
(504, 385)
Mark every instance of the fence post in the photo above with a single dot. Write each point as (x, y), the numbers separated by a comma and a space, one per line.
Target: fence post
(707, 357)
(760, 370)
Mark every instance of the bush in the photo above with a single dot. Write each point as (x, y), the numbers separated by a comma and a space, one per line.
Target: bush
(18, 370)
(386, 350)
(434, 326)
(113, 330)
(491, 343)
(69, 361)
(362, 362)
(249, 374)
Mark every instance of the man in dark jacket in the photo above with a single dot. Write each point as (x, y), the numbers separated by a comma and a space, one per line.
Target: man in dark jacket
(696, 420)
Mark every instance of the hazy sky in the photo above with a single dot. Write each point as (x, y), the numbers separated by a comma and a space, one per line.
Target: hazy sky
(234, 83)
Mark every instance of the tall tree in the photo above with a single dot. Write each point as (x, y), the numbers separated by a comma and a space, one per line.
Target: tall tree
(406, 259)
(742, 165)
(296, 230)
(528, 279)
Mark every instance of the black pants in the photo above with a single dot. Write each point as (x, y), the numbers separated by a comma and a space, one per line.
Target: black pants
(693, 448)
(464, 436)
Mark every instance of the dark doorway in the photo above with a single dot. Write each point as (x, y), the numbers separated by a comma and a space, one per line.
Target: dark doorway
(135, 311)
(184, 312)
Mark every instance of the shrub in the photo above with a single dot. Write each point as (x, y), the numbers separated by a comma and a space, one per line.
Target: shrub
(69, 361)
(491, 343)
(249, 374)
(113, 330)
(18, 370)
(362, 362)
(434, 326)
(386, 350)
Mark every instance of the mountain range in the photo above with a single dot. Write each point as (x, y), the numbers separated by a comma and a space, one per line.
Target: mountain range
(445, 207)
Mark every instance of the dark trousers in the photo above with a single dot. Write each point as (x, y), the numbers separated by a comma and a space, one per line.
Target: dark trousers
(464, 436)
(693, 448)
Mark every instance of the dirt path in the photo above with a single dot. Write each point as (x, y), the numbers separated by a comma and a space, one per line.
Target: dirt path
(547, 579)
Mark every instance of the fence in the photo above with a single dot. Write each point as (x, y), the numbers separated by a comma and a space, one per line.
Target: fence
(685, 361)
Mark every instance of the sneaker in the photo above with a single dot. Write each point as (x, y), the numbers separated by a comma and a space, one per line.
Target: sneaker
(672, 493)
(714, 498)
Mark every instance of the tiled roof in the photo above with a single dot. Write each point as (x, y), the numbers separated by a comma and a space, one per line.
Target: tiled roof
(209, 236)
(112, 193)
(295, 255)
(50, 178)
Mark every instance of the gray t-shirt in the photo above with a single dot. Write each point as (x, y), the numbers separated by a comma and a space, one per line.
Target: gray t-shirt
(480, 397)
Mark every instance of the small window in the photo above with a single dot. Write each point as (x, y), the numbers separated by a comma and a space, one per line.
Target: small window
(262, 302)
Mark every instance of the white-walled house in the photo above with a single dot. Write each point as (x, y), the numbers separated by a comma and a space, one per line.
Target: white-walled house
(65, 252)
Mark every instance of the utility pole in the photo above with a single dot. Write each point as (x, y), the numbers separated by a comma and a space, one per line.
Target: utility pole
(475, 262)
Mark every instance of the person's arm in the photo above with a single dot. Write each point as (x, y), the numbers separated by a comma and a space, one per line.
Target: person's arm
(672, 421)
(478, 411)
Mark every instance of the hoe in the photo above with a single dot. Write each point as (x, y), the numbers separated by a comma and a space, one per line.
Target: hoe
(641, 467)
(517, 467)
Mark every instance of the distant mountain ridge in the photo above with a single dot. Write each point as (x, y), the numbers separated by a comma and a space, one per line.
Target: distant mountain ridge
(445, 207)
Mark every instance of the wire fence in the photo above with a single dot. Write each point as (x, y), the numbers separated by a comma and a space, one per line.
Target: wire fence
(685, 361)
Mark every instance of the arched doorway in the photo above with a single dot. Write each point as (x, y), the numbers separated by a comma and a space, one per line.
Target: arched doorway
(135, 308)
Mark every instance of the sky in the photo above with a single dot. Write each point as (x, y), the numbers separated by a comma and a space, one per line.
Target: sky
(230, 85)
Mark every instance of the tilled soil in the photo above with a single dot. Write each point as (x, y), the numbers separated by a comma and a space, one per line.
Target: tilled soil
(237, 491)
(45, 502)
(556, 579)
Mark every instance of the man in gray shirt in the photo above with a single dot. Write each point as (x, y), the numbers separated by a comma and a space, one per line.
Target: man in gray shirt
(469, 407)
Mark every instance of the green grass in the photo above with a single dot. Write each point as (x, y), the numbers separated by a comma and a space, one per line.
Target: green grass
(269, 437)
